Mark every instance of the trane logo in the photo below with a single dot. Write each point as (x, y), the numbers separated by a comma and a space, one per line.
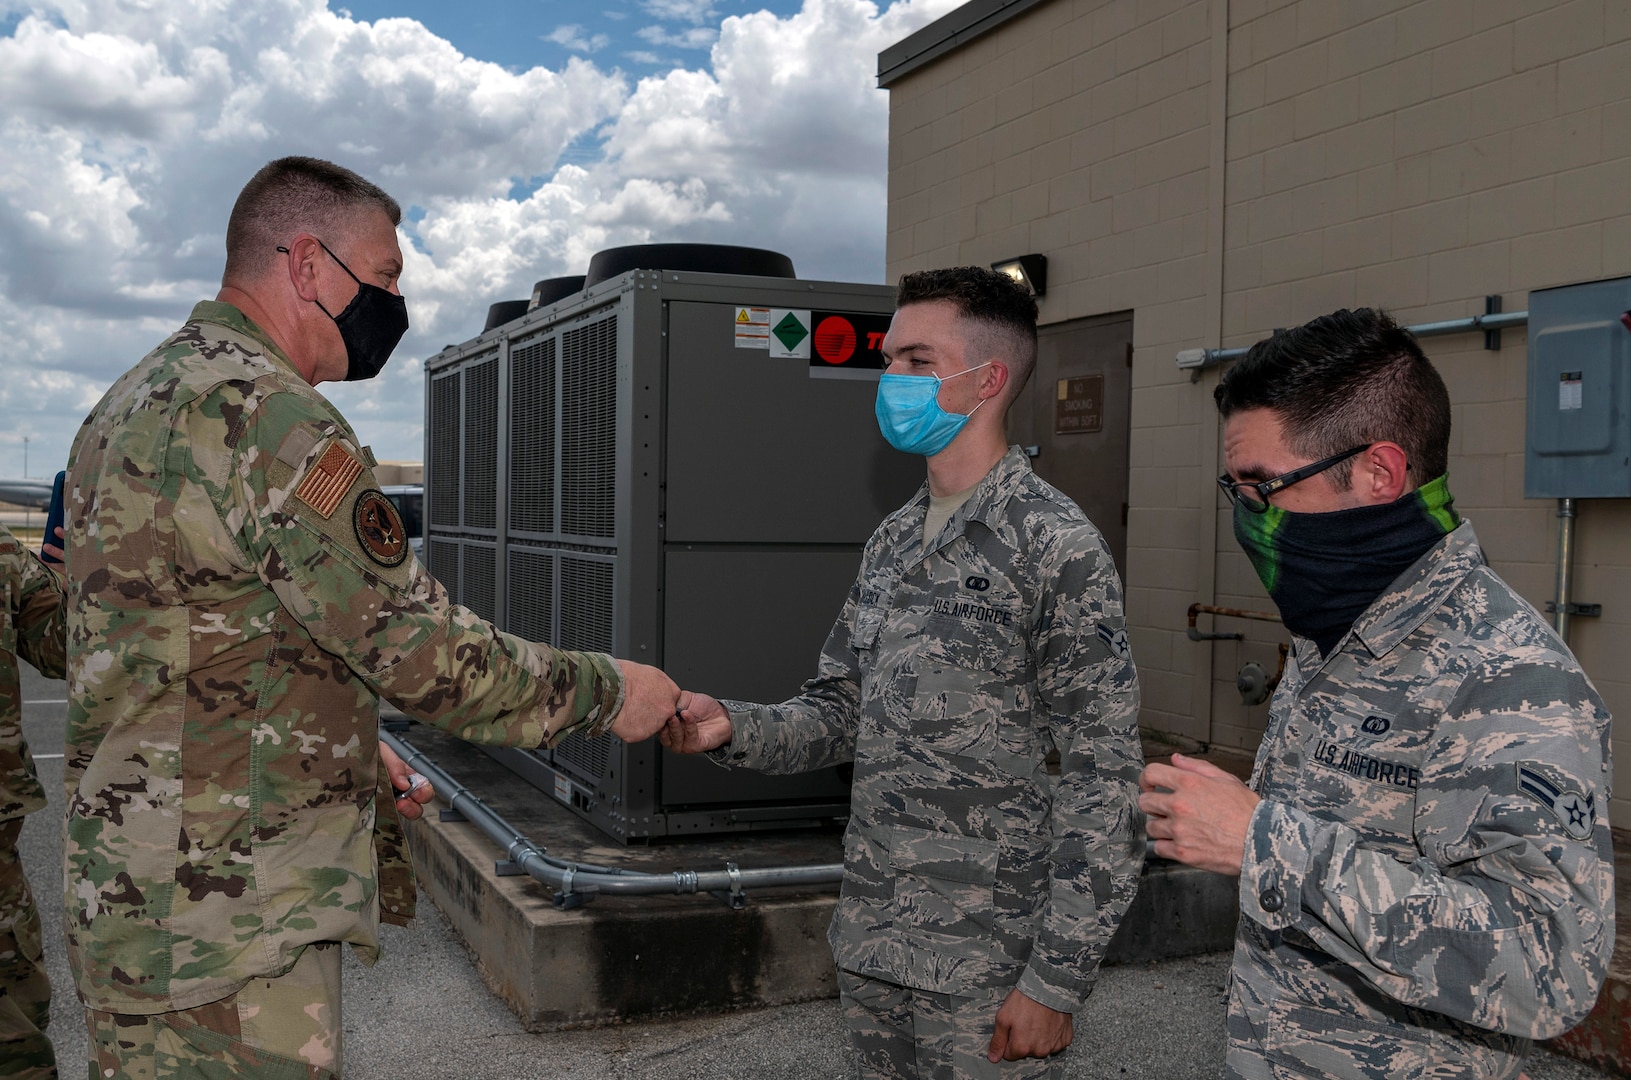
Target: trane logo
(978, 584)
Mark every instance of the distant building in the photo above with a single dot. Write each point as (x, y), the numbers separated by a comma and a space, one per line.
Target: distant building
(1199, 173)
(399, 472)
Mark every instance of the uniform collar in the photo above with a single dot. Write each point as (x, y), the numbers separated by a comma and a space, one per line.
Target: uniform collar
(986, 505)
(221, 313)
(1419, 591)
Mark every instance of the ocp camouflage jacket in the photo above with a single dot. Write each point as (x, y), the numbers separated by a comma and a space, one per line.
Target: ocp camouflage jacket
(240, 598)
(31, 628)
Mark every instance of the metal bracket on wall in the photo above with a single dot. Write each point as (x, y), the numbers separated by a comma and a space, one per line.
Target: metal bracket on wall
(508, 868)
(1197, 360)
(450, 814)
(1586, 611)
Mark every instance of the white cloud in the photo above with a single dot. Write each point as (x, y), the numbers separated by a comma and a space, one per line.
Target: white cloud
(695, 12)
(693, 37)
(572, 37)
(129, 128)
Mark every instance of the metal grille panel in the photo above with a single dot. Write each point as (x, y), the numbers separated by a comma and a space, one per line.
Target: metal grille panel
(586, 603)
(444, 565)
(478, 580)
(531, 488)
(586, 623)
(530, 585)
(586, 756)
(589, 430)
(444, 454)
(481, 444)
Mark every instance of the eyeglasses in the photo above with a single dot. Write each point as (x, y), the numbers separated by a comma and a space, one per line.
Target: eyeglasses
(1254, 494)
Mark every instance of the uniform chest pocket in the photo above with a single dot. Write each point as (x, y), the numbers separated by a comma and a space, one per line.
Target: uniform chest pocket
(962, 691)
(944, 890)
(865, 626)
(1364, 771)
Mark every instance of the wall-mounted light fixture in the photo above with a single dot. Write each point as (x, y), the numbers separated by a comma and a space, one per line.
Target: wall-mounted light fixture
(1030, 271)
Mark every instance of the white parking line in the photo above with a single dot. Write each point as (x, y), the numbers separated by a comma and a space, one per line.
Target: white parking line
(46, 757)
(64, 701)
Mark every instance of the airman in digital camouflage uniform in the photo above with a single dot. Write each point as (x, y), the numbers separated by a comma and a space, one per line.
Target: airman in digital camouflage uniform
(1426, 878)
(30, 628)
(984, 631)
(240, 598)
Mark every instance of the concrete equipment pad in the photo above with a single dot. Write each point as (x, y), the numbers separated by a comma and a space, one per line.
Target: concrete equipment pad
(625, 958)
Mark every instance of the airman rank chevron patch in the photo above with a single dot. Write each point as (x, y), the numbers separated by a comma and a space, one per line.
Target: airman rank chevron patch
(328, 480)
(1576, 812)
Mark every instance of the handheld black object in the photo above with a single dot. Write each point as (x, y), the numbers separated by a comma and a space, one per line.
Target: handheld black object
(53, 519)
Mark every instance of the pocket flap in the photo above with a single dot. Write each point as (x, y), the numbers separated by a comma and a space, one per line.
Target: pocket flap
(966, 860)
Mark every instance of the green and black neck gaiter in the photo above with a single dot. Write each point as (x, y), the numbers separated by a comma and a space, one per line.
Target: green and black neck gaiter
(1324, 570)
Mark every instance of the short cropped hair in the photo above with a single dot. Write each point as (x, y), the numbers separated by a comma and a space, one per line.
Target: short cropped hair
(1342, 380)
(293, 195)
(1003, 311)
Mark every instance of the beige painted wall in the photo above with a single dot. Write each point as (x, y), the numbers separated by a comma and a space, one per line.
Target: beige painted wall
(1225, 168)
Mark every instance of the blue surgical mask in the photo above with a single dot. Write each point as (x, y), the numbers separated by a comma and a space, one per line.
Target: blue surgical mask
(910, 416)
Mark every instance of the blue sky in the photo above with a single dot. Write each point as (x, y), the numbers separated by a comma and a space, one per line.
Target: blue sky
(522, 137)
(519, 34)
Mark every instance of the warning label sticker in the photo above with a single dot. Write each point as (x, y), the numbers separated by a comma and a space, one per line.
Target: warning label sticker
(1571, 390)
(752, 327)
(790, 333)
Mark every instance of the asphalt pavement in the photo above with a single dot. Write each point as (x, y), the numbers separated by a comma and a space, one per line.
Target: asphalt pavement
(424, 1012)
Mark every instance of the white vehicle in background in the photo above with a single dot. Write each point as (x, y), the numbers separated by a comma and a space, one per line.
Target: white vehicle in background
(409, 500)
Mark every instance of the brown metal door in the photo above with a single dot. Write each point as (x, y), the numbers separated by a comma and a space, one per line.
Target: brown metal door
(1081, 395)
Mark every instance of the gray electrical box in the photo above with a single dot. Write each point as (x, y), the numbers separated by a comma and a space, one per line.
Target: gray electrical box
(1579, 444)
(679, 468)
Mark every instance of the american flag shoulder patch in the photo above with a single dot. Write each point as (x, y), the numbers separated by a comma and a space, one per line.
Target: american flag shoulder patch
(327, 481)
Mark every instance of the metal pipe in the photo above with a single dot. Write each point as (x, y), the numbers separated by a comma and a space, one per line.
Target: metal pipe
(1198, 359)
(1565, 565)
(583, 880)
(1234, 613)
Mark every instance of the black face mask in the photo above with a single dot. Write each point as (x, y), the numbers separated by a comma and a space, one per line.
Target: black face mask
(1324, 570)
(371, 325)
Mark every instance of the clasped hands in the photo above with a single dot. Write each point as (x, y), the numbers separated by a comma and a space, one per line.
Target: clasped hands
(686, 722)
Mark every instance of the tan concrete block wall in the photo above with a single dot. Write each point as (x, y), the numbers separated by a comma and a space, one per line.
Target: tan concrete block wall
(1412, 154)
(1488, 153)
(1101, 163)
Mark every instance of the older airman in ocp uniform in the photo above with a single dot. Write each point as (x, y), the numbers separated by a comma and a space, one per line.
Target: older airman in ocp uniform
(241, 596)
(1426, 876)
(984, 631)
(31, 621)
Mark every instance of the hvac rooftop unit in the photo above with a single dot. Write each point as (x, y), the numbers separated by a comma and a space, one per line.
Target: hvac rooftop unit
(678, 467)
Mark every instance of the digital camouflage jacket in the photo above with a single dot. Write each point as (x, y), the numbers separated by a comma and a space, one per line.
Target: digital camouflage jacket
(1428, 882)
(948, 678)
(30, 628)
(239, 599)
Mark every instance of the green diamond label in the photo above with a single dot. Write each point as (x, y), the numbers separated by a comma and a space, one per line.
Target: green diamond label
(789, 333)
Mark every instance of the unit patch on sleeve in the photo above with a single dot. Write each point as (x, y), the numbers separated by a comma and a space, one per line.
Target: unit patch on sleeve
(328, 480)
(379, 529)
(1576, 812)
